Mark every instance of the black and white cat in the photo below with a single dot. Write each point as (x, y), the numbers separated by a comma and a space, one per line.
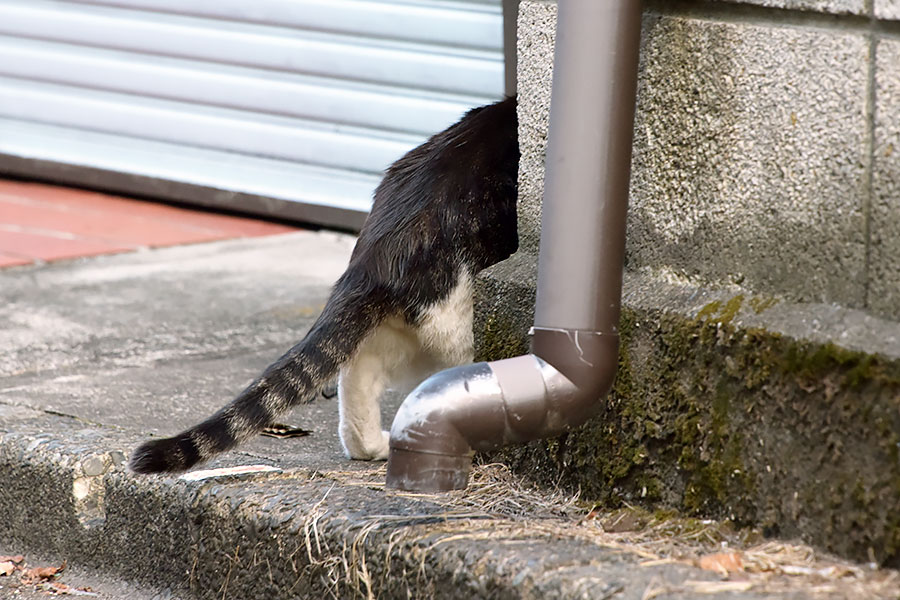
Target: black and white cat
(403, 308)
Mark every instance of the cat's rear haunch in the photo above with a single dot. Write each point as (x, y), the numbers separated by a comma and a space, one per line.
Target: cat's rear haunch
(403, 308)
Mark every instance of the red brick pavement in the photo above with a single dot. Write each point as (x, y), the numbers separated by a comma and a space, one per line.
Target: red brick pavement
(40, 222)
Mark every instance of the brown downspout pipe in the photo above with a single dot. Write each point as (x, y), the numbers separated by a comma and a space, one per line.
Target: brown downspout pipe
(485, 405)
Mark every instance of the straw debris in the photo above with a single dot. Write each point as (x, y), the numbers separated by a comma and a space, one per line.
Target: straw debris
(499, 506)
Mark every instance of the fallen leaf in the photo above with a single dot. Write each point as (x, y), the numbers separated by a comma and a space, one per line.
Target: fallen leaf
(58, 588)
(13, 559)
(6, 568)
(722, 563)
(38, 574)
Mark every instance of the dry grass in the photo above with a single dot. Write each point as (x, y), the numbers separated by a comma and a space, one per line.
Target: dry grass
(497, 505)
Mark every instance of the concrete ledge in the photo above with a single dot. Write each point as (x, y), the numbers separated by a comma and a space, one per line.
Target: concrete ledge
(730, 405)
(297, 534)
(851, 7)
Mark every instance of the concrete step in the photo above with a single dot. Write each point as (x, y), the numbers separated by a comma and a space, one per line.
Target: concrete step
(301, 533)
(728, 405)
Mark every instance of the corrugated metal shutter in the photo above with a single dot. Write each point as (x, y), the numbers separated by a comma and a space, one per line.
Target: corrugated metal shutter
(290, 107)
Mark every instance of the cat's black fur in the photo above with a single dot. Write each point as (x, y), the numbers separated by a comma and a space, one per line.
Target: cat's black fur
(446, 206)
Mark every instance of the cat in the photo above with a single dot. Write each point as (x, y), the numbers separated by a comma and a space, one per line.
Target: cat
(403, 308)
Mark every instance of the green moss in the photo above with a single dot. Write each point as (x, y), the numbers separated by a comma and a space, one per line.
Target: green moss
(709, 310)
(731, 309)
(719, 312)
(725, 312)
(724, 421)
(500, 338)
(760, 304)
(503, 315)
(719, 415)
(856, 369)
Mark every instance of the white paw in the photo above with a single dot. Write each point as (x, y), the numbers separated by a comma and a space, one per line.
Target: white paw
(384, 447)
(375, 447)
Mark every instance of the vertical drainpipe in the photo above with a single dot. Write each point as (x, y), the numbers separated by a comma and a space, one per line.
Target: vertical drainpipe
(575, 346)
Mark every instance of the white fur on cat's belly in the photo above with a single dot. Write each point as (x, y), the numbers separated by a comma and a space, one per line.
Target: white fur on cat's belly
(445, 330)
(400, 356)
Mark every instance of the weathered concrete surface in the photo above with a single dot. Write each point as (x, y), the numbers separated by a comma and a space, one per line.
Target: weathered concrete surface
(750, 153)
(537, 26)
(853, 7)
(887, 9)
(730, 405)
(885, 266)
(749, 158)
(97, 355)
(504, 307)
(172, 335)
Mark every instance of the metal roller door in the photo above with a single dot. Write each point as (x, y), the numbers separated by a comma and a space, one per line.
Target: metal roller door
(283, 107)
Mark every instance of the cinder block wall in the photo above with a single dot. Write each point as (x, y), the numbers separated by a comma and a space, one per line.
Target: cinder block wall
(767, 146)
(759, 372)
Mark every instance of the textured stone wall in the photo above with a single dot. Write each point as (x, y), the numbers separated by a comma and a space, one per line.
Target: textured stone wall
(765, 146)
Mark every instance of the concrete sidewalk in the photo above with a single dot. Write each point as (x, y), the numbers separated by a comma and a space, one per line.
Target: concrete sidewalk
(98, 354)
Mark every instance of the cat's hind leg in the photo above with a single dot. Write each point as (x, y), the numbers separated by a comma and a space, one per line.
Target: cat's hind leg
(401, 355)
(389, 349)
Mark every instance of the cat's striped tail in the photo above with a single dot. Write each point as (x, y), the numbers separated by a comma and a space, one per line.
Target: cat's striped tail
(295, 378)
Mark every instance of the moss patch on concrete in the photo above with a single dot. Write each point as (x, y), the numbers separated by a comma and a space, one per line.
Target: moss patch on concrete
(719, 420)
(505, 310)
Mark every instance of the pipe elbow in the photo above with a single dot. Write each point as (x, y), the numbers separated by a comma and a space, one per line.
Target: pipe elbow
(486, 405)
(588, 360)
(439, 425)
(450, 412)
